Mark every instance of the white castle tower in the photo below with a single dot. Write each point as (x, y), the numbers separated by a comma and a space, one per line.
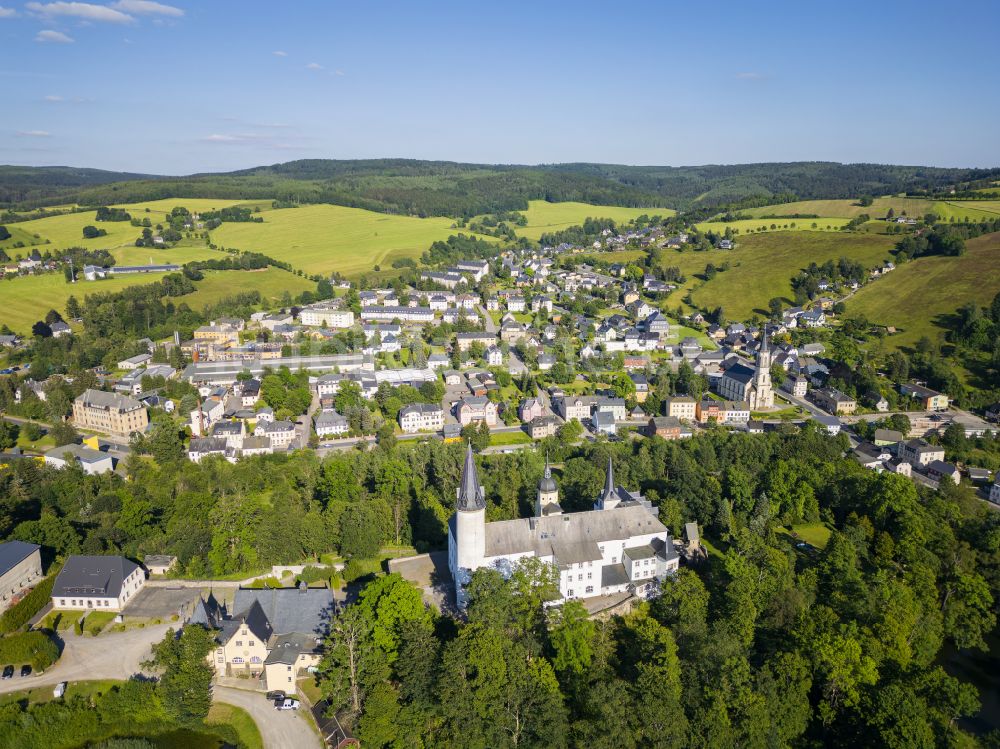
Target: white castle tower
(547, 498)
(467, 549)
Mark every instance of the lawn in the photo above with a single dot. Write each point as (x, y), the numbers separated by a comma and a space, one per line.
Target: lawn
(73, 689)
(97, 621)
(26, 299)
(270, 282)
(917, 296)
(815, 534)
(326, 238)
(762, 266)
(544, 217)
(502, 439)
(230, 715)
(185, 251)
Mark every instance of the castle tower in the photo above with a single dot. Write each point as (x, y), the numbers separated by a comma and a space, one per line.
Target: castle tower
(470, 521)
(547, 498)
(762, 395)
(609, 498)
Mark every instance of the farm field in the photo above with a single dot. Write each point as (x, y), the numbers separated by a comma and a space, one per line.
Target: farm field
(66, 231)
(958, 210)
(25, 299)
(915, 297)
(17, 236)
(160, 208)
(745, 226)
(270, 282)
(762, 266)
(326, 238)
(182, 253)
(544, 217)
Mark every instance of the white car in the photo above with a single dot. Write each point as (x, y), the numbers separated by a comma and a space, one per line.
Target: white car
(286, 704)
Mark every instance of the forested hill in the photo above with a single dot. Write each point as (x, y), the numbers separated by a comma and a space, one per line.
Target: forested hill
(442, 188)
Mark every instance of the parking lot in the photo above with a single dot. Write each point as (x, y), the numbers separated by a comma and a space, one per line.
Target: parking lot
(162, 603)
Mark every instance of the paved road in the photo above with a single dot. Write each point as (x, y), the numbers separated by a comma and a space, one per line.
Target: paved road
(280, 729)
(115, 655)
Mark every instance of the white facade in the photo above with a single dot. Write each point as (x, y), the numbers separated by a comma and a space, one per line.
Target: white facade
(619, 546)
(327, 316)
(421, 417)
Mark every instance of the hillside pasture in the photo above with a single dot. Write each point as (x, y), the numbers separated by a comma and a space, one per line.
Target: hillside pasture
(272, 283)
(544, 217)
(762, 266)
(18, 235)
(745, 227)
(327, 238)
(180, 254)
(848, 209)
(25, 299)
(918, 296)
(57, 233)
(158, 209)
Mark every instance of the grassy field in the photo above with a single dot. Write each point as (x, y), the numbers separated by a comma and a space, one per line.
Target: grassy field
(763, 265)
(325, 238)
(503, 439)
(26, 299)
(917, 296)
(230, 715)
(270, 282)
(544, 217)
(746, 226)
(974, 210)
(184, 252)
(61, 232)
(160, 208)
(815, 534)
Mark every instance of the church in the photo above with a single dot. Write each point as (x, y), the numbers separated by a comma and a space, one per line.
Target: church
(618, 547)
(750, 384)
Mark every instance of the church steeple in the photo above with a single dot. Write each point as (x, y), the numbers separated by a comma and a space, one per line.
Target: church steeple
(470, 494)
(609, 497)
(547, 498)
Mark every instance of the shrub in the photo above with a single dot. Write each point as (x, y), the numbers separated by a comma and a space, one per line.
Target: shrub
(78, 626)
(34, 648)
(21, 613)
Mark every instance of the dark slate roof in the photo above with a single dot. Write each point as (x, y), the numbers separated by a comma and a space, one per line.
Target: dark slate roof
(289, 610)
(100, 576)
(286, 648)
(13, 553)
(470, 493)
(739, 372)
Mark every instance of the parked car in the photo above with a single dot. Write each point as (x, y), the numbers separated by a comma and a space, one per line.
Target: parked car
(8, 673)
(25, 670)
(276, 695)
(60, 689)
(287, 704)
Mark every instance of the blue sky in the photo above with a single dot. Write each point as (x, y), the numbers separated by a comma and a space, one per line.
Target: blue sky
(188, 87)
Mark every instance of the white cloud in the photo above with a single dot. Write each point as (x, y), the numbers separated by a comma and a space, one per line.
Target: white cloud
(7, 12)
(147, 8)
(86, 11)
(279, 53)
(33, 134)
(53, 36)
(750, 76)
(314, 66)
(54, 97)
(339, 72)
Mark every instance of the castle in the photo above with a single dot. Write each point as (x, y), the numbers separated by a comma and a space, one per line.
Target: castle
(620, 546)
(750, 384)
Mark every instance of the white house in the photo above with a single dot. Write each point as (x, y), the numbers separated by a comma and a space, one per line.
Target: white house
(421, 417)
(97, 582)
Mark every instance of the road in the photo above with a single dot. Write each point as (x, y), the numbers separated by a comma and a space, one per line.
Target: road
(488, 324)
(280, 729)
(115, 655)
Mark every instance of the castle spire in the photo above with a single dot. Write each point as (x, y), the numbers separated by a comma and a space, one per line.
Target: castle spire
(470, 493)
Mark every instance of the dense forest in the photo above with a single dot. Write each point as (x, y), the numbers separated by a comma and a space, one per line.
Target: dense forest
(439, 188)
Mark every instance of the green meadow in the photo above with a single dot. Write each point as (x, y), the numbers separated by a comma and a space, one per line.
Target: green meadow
(762, 266)
(272, 283)
(544, 217)
(848, 209)
(326, 238)
(748, 226)
(917, 296)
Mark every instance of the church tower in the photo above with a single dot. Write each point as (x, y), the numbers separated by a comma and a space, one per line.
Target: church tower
(470, 526)
(609, 498)
(762, 396)
(547, 499)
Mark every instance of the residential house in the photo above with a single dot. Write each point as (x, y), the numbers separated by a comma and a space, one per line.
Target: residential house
(919, 452)
(797, 385)
(159, 564)
(884, 437)
(92, 462)
(937, 469)
(276, 633)
(682, 407)
(106, 583)
(203, 447)
(421, 417)
(60, 329)
(541, 427)
(330, 423)
(281, 433)
(667, 427)
(833, 401)
(530, 408)
(475, 409)
(603, 422)
(20, 569)
(134, 362)
(931, 399)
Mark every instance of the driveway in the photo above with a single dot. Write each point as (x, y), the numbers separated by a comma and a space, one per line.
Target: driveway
(162, 602)
(115, 655)
(280, 729)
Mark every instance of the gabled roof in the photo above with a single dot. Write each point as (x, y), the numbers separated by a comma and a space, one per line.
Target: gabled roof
(100, 576)
(289, 610)
(13, 553)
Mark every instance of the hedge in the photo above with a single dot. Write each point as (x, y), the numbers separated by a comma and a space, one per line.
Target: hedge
(28, 647)
(21, 613)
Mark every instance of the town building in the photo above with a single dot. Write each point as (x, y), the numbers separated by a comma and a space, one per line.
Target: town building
(618, 547)
(421, 417)
(92, 462)
(20, 568)
(682, 407)
(932, 400)
(919, 452)
(97, 582)
(833, 401)
(751, 384)
(476, 408)
(109, 412)
(667, 427)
